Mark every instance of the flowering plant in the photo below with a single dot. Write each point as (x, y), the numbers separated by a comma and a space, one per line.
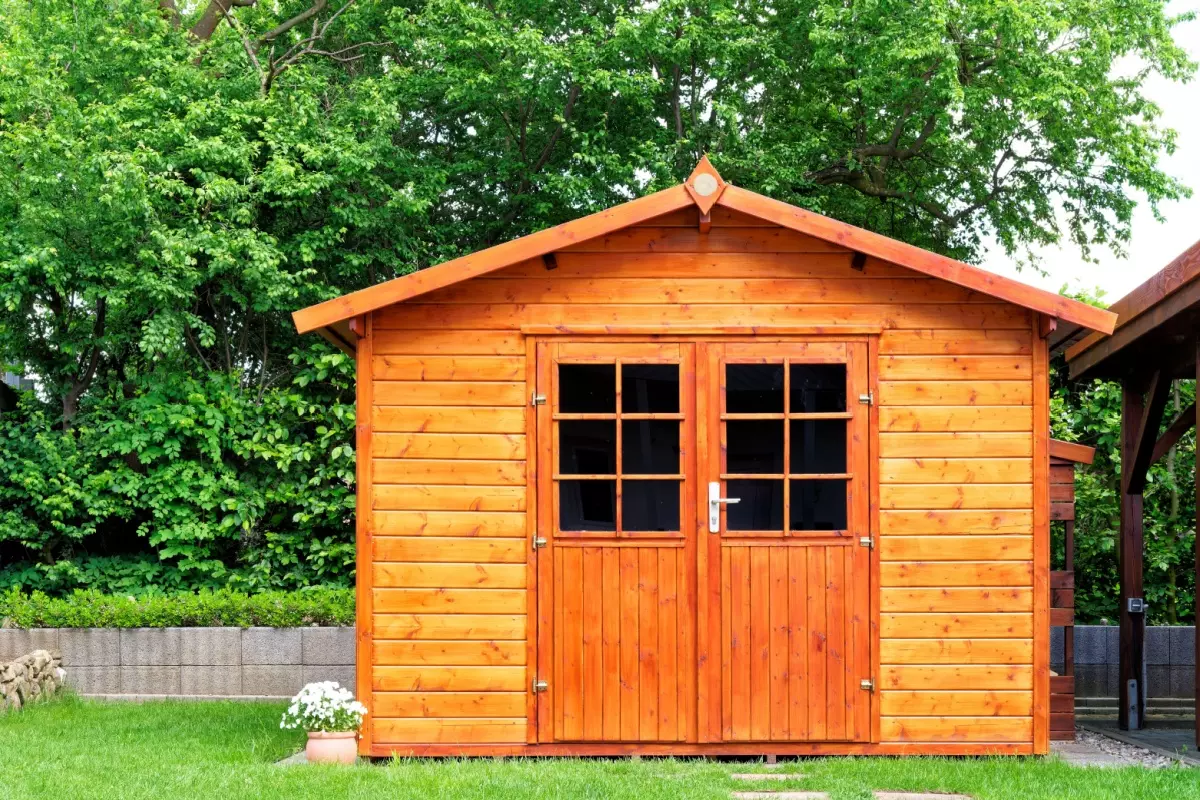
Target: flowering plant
(324, 706)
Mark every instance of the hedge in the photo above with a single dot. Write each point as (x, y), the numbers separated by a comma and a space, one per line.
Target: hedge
(93, 609)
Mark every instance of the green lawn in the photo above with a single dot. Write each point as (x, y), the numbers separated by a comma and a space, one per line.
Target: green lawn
(81, 749)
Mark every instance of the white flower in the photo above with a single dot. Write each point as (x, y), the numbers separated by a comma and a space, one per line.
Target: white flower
(324, 706)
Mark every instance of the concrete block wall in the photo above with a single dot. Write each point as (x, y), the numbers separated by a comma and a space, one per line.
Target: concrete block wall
(208, 662)
(1170, 660)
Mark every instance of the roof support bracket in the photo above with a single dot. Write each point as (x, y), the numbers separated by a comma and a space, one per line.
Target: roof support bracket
(1147, 432)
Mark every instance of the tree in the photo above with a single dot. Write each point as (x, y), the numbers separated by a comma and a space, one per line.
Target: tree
(175, 179)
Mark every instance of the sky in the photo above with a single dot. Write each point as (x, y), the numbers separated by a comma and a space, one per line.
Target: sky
(1153, 244)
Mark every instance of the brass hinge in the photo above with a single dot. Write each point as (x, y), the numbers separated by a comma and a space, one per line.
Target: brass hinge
(867, 684)
(539, 541)
(540, 686)
(867, 399)
(866, 541)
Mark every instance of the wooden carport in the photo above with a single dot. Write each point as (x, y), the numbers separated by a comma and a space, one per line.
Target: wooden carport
(1156, 341)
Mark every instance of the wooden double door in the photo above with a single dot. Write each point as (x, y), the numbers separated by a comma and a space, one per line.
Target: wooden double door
(703, 550)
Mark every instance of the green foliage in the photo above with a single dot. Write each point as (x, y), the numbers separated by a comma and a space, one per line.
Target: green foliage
(224, 607)
(1091, 414)
(173, 183)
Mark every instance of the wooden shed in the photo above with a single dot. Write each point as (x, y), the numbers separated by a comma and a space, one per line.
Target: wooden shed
(703, 473)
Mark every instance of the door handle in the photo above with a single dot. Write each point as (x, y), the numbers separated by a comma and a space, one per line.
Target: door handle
(714, 506)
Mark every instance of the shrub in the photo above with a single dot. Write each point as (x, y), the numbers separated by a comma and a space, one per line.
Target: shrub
(224, 607)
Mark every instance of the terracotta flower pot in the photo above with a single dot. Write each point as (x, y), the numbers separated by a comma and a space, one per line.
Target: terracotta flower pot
(339, 747)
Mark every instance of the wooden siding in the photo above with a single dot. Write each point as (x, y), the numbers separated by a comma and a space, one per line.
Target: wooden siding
(452, 614)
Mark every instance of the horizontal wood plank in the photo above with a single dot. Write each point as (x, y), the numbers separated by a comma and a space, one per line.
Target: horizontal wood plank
(951, 496)
(970, 676)
(956, 626)
(511, 317)
(956, 573)
(496, 446)
(447, 368)
(448, 679)
(450, 704)
(955, 470)
(955, 393)
(956, 651)
(644, 239)
(956, 548)
(956, 703)
(487, 524)
(956, 342)
(449, 343)
(959, 598)
(450, 393)
(956, 729)
(450, 601)
(954, 444)
(449, 731)
(476, 653)
(449, 626)
(958, 367)
(450, 576)
(934, 419)
(449, 498)
(449, 472)
(440, 549)
(600, 288)
(573, 266)
(894, 522)
(448, 419)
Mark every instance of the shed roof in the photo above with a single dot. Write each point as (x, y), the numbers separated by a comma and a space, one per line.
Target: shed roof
(703, 188)
(1156, 325)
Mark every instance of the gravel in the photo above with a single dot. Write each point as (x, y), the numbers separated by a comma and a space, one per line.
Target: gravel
(1127, 753)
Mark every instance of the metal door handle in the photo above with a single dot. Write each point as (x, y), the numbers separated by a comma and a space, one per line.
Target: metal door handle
(714, 506)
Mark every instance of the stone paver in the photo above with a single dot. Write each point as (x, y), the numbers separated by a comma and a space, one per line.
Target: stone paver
(1081, 754)
(780, 796)
(767, 776)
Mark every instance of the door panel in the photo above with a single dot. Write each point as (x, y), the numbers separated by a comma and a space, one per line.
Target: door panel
(650, 627)
(616, 467)
(785, 634)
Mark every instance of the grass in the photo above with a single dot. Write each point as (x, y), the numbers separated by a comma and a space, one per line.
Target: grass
(83, 749)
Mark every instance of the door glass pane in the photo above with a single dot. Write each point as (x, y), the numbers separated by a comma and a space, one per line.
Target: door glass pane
(587, 388)
(818, 445)
(587, 447)
(650, 505)
(817, 388)
(649, 388)
(761, 506)
(754, 446)
(754, 388)
(818, 505)
(587, 505)
(649, 447)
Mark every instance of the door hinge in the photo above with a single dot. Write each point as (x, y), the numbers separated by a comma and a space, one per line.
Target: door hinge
(866, 541)
(868, 684)
(867, 399)
(540, 686)
(538, 400)
(539, 541)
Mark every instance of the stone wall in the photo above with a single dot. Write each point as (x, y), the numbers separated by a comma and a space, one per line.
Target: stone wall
(1170, 660)
(195, 662)
(28, 677)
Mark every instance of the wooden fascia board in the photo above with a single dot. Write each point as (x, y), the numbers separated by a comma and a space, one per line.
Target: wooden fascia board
(491, 259)
(914, 258)
(1072, 451)
(1170, 279)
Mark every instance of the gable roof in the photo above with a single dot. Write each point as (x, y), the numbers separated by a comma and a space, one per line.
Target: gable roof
(704, 189)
